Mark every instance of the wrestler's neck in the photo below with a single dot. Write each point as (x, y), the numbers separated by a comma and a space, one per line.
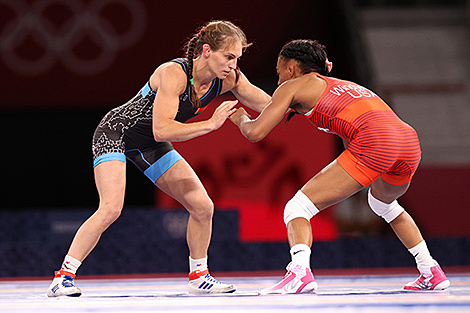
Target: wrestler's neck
(202, 73)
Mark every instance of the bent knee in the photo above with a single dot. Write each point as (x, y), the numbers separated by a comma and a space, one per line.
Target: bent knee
(299, 206)
(201, 208)
(109, 214)
(388, 211)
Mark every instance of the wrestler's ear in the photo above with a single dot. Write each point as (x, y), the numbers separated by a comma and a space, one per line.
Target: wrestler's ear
(206, 50)
(329, 65)
(291, 68)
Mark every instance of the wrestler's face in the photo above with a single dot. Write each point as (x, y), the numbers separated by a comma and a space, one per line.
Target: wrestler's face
(283, 72)
(224, 61)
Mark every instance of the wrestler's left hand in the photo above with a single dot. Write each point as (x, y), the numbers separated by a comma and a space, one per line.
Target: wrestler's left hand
(237, 117)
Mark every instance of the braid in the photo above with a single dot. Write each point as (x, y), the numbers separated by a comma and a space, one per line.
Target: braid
(190, 55)
(290, 115)
(217, 34)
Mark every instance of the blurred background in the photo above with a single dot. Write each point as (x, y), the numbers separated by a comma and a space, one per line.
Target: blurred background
(65, 63)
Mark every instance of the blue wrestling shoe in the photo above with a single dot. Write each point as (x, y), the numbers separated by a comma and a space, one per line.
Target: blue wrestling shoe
(63, 285)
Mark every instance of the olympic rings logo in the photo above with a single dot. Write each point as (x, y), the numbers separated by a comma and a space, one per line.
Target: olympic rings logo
(60, 42)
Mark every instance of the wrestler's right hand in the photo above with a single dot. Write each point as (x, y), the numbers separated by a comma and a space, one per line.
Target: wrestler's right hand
(223, 111)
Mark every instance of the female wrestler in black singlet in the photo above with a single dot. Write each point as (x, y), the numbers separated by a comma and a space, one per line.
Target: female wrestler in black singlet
(126, 132)
(142, 130)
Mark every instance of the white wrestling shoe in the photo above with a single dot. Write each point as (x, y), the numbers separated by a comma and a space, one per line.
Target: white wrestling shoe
(63, 285)
(201, 282)
(298, 279)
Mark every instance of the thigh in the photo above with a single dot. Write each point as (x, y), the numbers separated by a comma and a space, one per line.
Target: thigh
(386, 192)
(153, 161)
(330, 186)
(110, 179)
(181, 182)
(108, 138)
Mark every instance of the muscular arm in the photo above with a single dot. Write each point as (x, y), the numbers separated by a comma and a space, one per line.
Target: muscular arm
(171, 83)
(250, 95)
(256, 129)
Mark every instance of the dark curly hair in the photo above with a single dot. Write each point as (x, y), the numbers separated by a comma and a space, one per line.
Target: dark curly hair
(310, 55)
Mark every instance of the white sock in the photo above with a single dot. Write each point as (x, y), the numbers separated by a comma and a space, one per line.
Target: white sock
(300, 255)
(423, 258)
(70, 264)
(198, 264)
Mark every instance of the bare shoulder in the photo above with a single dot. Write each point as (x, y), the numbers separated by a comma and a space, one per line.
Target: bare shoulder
(169, 73)
(310, 80)
(305, 91)
(309, 88)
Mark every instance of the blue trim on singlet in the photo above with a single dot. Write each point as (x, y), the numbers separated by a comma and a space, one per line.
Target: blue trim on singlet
(147, 90)
(112, 156)
(141, 155)
(214, 82)
(162, 165)
(210, 89)
(185, 67)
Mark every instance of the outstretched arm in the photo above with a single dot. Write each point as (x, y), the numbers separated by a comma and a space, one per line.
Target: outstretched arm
(250, 95)
(256, 129)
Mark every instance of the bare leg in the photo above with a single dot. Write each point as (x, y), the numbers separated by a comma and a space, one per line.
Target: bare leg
(110, 178)
(404, 226)
(331, 185)
(182, 183)
(406, 230)
(299, 230)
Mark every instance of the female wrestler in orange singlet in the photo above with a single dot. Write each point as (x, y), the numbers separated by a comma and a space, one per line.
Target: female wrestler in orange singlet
(381, 151)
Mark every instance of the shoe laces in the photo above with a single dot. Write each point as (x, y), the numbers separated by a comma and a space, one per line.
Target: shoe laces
(67, 281)
(212, 279)
(424, 282)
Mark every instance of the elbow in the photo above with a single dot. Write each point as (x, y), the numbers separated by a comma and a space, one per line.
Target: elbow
(159, 135)
(255, 139)
(254, 136)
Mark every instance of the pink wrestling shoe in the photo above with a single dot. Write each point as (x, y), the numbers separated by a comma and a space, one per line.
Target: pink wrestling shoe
(437, 280)
(298, 279)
